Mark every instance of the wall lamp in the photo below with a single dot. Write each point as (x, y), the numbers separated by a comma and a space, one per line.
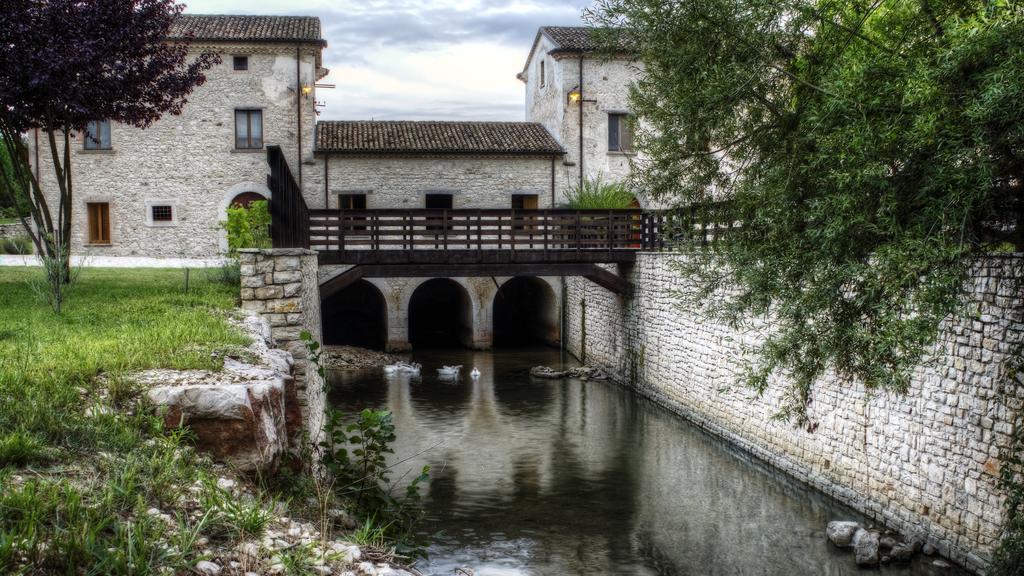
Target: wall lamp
(575, 96)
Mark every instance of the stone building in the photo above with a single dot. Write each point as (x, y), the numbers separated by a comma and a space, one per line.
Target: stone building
(160, 192)
(582, 97)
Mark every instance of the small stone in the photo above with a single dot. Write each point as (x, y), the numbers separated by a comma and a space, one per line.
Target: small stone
(939, 562)
(928, 550)
(153, 512)
(321, 569)
(225, 483)
(250, 550)
(840, 532)
(865, 547)
(207, 568)
(902, 552)
(202, 541)
(887, 542)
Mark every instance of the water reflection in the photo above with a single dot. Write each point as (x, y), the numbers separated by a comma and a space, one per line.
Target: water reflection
(582, 478)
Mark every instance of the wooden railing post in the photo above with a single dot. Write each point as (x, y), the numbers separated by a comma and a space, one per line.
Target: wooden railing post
(341, 227)
(444, 227)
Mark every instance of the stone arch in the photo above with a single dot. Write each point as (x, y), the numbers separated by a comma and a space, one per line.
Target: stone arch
(356, 316)
(228, 197)
(526, 311)
(441, 312)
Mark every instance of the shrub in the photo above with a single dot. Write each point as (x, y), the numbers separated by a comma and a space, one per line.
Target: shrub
(247, 227)
(361, 475)
(596, 194)
(16, 245)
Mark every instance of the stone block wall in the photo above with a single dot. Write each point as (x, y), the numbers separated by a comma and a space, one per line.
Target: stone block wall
(12, 230)
(924, 463)
(281, 285)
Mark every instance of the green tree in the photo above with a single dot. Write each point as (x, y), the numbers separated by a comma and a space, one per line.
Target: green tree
(868, 150)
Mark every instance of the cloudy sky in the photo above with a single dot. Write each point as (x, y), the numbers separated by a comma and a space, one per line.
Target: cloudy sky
(415, 60)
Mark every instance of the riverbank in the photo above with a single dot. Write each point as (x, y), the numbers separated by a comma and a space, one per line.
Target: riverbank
(93, 479)
(925, 463)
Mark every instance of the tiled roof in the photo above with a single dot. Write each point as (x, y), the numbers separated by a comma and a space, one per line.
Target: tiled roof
(430, 137)
(219, 27)
(581, 39)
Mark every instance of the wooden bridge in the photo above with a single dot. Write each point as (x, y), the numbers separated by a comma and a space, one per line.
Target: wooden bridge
(458, 243)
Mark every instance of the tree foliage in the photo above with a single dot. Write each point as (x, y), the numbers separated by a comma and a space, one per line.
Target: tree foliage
(868, 151)
(65, 63)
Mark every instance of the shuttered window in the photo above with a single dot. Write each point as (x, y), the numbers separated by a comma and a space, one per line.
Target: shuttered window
(99, 222)
(248, 129)
(620, 133)
(97, 135)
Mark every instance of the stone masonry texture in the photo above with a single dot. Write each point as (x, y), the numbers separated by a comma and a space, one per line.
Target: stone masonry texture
(281, 285)
(925, 463)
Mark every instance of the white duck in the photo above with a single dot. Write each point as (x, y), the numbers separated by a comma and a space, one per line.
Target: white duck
(448, 372)
(474, 374)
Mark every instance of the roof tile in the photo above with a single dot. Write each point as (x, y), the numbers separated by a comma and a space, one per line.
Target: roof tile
(582, 39)
(430, 137)
(220, 27)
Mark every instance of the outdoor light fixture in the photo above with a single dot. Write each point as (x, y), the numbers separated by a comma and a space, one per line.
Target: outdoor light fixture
(306, 89)
(575, 96)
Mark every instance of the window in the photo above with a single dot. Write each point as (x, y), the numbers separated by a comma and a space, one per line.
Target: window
(99, 222)
(240, 62)
(248, 129)
(97, 135)
(524, 202)
(542, 78)
(352, 201)
(620, 133)
(438, 201)
(162, 213)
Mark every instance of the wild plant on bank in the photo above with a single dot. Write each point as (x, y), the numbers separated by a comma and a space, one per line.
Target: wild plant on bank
(59, 276)
(354, 458)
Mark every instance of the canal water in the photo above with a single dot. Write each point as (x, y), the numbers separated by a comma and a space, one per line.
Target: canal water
(535, 477)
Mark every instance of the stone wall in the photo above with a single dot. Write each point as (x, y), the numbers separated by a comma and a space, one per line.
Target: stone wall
(281, 285)
(12, 230)
(925, 463)
(402, 182)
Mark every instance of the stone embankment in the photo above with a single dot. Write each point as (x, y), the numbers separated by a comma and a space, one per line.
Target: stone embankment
(925, 463)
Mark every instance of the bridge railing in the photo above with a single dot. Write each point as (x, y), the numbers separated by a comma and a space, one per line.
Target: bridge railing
(289, 216)
(483, 229)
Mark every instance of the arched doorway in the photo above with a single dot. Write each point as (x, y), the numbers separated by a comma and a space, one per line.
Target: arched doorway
(440, 315)
(355, 316)
(525, 313)
(245, 198)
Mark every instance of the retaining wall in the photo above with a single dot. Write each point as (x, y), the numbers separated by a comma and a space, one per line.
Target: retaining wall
(925, 463)
(281, 285)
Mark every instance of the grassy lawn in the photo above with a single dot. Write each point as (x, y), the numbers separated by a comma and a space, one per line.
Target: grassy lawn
(82, 459)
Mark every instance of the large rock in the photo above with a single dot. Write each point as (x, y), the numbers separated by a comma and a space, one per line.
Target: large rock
(865, 547)
(239, 415)
(240, 424)
(840, 532)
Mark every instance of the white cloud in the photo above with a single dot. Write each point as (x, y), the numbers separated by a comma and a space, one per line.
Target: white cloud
(406, 59)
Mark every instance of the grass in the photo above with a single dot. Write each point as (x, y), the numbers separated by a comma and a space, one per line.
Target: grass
(81, 459)
(597, 194)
